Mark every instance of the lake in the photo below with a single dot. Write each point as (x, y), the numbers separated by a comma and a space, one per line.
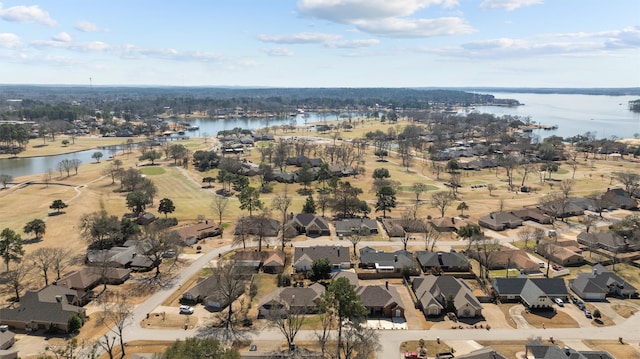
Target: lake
(606, 116)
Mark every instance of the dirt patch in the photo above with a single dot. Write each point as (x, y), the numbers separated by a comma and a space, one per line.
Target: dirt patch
(432, 347)
(505, 310)
(169, 321)
(624, 310)
(550, 319)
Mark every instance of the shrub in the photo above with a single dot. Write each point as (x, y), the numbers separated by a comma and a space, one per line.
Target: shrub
(75, 323)
(167, 222)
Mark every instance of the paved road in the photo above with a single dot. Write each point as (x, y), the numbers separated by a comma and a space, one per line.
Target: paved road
(389, 339)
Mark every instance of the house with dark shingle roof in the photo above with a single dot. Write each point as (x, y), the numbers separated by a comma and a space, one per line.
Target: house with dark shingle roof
(361, 226)
(291, 298)
(433, 292)
(381, 300)
(608, 241)
(387, 262)
(270, 261)
(559, 254)
(482, 353)
(532, 214)
(535, 293)
(207, 292)
(51, 306)
(600, 283)
(87, 278)
(618, 198)
(190, 234)
(448, 224)
(446, 261)
(506, 258)
(537, 350)
(307, 223)
(303, 257)
(499, 221)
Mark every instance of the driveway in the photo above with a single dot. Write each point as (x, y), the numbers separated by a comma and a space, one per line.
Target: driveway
(494, 316)
(516, 314)
(414, 317)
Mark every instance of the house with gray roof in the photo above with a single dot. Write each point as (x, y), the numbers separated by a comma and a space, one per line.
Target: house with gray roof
(7, 339)
(361, 226)
(537, 350)
(286, 299)
(618, 198)
(307, 223)
(534, 293)
(499, 221)
(433, 293)
(381, 300)
(51, 306)
(608, 241)
(445, 261)
(207, 292)
(303, 257)
(387, 262)
(482, 353)
(600, 283)
(85, 279)
(559, 254)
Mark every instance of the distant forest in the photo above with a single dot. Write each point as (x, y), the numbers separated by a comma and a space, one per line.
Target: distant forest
(60, 102)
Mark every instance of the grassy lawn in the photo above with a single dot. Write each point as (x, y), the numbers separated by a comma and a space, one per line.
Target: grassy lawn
(614, 348)
(502, 273)
(624, 310)
(550, 319)
(152, 170)
(431, 346)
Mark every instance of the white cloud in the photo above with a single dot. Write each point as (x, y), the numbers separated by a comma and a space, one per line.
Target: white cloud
(387, 18)
(26, 14)
(278, 52)
(397, 27)
(62, 37)
(347, 11)
(508, 5)
(86, 26)
(327, 40)
(9, 40)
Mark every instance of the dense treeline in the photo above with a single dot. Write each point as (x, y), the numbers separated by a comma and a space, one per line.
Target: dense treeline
(152, 101)
(13, 136)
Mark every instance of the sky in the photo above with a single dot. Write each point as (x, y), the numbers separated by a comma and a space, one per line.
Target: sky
(322, 43)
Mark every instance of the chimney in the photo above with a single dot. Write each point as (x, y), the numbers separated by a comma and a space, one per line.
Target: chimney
(395, 258)
(386, 284)
(58, 298)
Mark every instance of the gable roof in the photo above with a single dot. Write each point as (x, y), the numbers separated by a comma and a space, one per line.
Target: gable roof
(198, 231)
(378, 296)
(88, 277)
(530, 288)
(442, 259)
(296, 296)
(482, 353)
(352, 277)
(398, 259)
(432, 290)
(335, 254)
(51, 304)
(599, 280)
(448, 223)
(355, 224)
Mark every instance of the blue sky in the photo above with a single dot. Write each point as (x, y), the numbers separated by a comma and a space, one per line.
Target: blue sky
(322, 43)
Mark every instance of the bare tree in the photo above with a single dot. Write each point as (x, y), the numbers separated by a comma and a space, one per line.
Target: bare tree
(323, 335)
(441, 200)
(116, 315)
(231, 285)
(60, 260)
(282, 204)
(431, 236)
(16, 278)
(491, 187)
(288, 318)
(354, 238)
(159, 240)
(219, 205)
(42, 258)
(455, 181)
(630, 180)
(418, 188)
(525, 235)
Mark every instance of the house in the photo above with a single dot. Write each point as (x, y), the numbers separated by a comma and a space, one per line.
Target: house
(608, 241)
(304, 257)
(190, 234)
(287, 299)
(307, 223)
(618, 198)
(207, 292)
(534, 293)
(507, 258)
(601, 283)
(561, 210)
(559, 254)
(7, 339)
(532, 214)
(257, 226)
(351, 276)
(120, 257)
(145, 219)
(387, 262)
(433, 293)
(499, 221)
(448, 224)
(50, 307)
(445, 261)
(284, 177)
(537, 350)
(87, 278)
(381, 300)
(341, 171)
(482, 353)
(268, 261)
(393, 228)
(361, 226)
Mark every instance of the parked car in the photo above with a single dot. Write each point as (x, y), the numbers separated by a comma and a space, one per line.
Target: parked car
(185, 309)
(559, 302)
(580, 304)
(587, 314)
